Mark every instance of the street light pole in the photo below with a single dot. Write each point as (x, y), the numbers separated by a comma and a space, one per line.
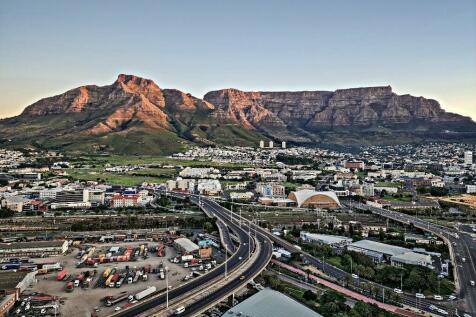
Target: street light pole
(167, 284)
(226, 262)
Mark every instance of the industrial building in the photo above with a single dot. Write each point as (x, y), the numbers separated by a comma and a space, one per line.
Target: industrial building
(12, 284)
(33, 249)
(327, 239)
(268, 302)
(185, 245)
(310, 198)
(395, 255)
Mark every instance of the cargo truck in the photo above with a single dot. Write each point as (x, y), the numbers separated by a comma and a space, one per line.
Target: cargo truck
(113, 301)
(147, 292)
(52, 267)
(61, 275)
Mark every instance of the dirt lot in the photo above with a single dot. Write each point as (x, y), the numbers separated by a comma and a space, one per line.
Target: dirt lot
(86, 299)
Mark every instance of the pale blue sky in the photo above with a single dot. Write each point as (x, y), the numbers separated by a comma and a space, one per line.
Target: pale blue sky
(425, 47)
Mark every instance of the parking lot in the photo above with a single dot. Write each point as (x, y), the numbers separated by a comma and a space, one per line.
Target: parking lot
(83, 298)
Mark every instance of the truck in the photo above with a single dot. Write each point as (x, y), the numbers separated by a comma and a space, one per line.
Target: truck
(10, 266)
(69, 287)
(107, 272)
(147, 292)
(52, 267)
(114, 279)
(119, 283)
(61, 275)
(137, 276)
(186, 258)
(114, 300)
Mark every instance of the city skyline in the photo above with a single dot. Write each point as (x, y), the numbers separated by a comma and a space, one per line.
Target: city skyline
(423, 49)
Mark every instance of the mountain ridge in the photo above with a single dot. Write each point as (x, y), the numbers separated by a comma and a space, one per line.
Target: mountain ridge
(135, 114)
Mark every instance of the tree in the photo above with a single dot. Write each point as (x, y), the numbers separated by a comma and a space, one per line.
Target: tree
(309, 295)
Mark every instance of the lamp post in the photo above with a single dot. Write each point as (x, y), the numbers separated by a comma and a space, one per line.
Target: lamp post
(167, 284)
(226, 262)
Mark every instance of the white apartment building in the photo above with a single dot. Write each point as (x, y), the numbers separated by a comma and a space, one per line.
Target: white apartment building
(209, 187)
(468, 157)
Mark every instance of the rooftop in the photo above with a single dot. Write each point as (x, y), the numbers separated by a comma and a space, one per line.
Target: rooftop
(380, 247)
(186, 244)
(270, 303)
(9, 280)
(29, 245)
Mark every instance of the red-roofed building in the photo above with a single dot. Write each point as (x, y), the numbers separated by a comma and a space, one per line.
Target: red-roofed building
(123, 201)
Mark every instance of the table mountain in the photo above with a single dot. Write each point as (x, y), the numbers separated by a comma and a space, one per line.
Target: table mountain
(134, 115)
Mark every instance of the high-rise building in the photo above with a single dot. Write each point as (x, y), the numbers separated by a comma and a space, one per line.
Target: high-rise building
(468, 157)
(283, 144)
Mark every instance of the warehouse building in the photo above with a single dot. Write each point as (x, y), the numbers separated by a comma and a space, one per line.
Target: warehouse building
(33, 249)
(185, 245)
(12, 284)
(327, 239)
(268, 302)
(395, 255)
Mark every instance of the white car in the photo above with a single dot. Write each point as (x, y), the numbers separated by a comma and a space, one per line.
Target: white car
(398, 291)
(420, 295)
(355, 276)
(118, 308)
(438, 297)
(451, 297)
(472, 283)
(442, 311)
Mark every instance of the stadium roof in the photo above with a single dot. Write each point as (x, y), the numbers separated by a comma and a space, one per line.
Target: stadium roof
(305, 194)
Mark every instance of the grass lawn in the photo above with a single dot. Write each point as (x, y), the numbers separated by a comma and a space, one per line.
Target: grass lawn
(113, 178)
(133, 160)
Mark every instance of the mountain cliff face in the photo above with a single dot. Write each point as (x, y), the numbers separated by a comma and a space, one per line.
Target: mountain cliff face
(134, 115)
(316, 111)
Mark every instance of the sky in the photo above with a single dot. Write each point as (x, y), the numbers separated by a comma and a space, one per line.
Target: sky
(424, 48)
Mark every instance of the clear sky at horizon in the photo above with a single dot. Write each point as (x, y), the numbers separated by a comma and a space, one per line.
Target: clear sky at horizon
(425, 48)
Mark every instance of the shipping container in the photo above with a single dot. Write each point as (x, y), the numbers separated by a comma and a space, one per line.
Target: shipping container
(61, 275)
(147, 292)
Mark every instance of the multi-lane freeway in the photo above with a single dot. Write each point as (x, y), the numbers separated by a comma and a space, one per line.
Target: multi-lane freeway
(246, 244)
(461, 242)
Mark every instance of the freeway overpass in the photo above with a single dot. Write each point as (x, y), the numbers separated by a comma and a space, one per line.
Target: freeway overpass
(460, 243)
(246, 244)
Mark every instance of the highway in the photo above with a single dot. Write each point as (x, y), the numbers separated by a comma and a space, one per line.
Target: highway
(259, 265)
(462, 243)
(340, 275)
(245, 246)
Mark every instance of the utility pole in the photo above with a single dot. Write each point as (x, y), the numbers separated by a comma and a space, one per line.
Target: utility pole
(167, 284)
(226, 262)
(401, 281)
(249, 241)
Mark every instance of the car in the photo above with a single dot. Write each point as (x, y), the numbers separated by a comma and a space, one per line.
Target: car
(242, 277)
(472, 283)
(240, 258)
(420, 295)
(432, 307)
(452, 297)
(442, 311)
(438, 297)
(118, 308)
(398, 291)
(355, 276)
(179, 310)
